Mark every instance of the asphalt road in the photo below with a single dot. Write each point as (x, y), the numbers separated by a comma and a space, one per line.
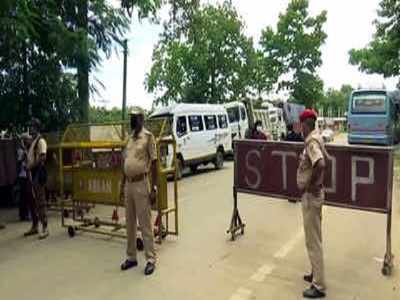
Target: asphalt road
(202, 263)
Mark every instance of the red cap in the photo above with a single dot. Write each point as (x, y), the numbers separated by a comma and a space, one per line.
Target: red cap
(307, 114)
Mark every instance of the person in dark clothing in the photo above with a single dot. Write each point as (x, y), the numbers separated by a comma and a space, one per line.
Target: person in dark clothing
(256, 133)
(292, 136)
(23, 177)
(37, 178)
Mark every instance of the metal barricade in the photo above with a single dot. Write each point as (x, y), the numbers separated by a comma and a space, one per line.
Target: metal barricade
(96, 173)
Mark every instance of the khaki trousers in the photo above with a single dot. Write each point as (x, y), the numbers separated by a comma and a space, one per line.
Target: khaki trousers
(312, 217)
(137, 205)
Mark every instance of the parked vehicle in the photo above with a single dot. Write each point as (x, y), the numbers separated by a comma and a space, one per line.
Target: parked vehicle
(373, 117)
(328, 135)
(274, 119)
(238, 119)
(202, 134)
(277, 123)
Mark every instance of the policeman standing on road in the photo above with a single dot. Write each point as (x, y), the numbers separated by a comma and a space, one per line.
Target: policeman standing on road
(310, 176)
(139, 190)
(37, 178)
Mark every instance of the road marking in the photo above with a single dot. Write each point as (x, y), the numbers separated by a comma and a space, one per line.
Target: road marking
(285, 249)
(262, 272)
(241, 294)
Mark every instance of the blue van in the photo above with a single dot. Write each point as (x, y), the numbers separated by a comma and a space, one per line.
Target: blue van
(372, 118)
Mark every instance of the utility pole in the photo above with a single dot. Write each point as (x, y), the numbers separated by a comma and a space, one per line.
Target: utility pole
(125, 45)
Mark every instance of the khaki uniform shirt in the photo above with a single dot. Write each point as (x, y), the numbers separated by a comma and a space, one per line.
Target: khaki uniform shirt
(312, 153)
(139, 153)
(37, 148)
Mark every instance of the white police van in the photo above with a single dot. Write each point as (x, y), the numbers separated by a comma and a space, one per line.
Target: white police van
(202, 134)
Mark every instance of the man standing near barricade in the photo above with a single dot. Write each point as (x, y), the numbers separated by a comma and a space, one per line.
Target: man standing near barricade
(139, 190)
(22, 178)
(37, 178)
(310, 176)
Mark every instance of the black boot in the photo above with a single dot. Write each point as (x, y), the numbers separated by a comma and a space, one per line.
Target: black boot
(313, 293)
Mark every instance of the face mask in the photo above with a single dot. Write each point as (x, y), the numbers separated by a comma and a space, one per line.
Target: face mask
(133, 123)
(259, 128)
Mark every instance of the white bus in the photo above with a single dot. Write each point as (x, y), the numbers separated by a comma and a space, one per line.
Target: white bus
(202, 134)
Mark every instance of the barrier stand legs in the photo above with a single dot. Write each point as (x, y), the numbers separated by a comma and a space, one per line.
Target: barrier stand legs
(236, 221)
(388, 261)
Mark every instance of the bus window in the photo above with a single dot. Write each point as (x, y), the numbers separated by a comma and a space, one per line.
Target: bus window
(243, 113)
(222, 121)
(211, 122)
(369, 104)
(233, 114)
(181, 126)
(196, 123)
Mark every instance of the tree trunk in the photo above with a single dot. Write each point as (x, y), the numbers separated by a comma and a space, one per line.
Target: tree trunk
(83, 63)
(26, 103)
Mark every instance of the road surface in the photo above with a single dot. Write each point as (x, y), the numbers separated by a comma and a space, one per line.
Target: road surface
(268, 262)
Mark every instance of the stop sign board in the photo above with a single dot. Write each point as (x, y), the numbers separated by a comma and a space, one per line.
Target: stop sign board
(359, 177)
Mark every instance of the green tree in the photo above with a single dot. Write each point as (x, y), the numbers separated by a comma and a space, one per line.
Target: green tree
(64, 36)
(293, 53)
(103, 115)
(210, 61)
(180, 17)
(335, 101)
(32, 78)
(265, 73)
(382, 55)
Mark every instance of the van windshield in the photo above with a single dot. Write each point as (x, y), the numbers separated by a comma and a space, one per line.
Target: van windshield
(369, 103)
(233, 114)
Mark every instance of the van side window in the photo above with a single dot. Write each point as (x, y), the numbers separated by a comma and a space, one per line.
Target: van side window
(196, 123)
(181, 126)
(211, 122)
(233, 114)
(222, 121)
(243, 113)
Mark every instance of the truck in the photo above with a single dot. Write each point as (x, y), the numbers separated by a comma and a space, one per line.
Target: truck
(274, 118)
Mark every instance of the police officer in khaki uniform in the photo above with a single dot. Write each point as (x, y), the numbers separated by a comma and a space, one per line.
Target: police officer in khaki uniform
(37, 179)
(310, 176)
(139, 190)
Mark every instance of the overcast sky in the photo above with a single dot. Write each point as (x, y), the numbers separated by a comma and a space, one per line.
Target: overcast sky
(349, 25)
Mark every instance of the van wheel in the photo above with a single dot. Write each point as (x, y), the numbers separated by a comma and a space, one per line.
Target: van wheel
(179, 169)
(219, 160)
(194, 169)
